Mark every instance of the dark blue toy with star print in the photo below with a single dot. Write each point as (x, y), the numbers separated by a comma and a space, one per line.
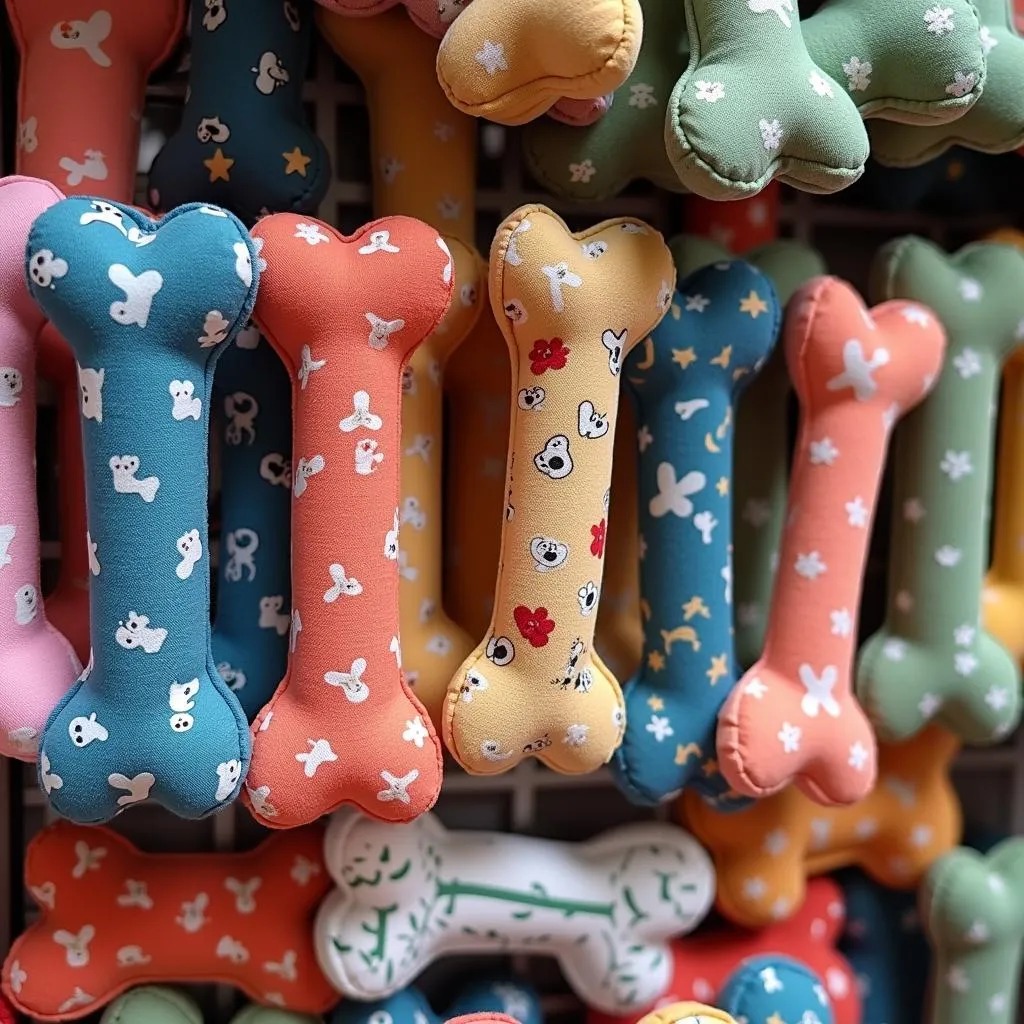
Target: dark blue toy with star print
(243, 140)
(776, 990)
(685, 380)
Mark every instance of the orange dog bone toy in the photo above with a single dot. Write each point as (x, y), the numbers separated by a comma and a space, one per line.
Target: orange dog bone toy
(112, 917)
(793, 717)
(344, 315)
(764, 853)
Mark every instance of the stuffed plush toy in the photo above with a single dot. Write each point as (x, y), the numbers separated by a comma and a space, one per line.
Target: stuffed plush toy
(685, 379)
(765, 853)
(512, 62)
(502, 994)
(604, 908)
(111, 917)
(687, 1013)
(793, 717)
(150, 718)
(243, 140)
(776, 987)
(931, 660)
(343, 725)
(157, 1004)
(572, 307)
(972, 906)
(37, 664)
(255, 430)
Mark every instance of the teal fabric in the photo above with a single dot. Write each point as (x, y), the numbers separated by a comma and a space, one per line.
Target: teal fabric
(723, 323)
(243, 140)
(506, 995)
(769, 989)
(250, 641)
(149, 306)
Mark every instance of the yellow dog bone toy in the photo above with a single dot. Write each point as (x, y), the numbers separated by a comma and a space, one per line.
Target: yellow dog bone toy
(511, 62)
(690, 1013)
(572, 306)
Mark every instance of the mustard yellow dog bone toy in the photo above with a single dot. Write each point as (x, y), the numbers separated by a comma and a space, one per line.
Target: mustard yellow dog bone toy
(423, 158)
(512, 61)
(690, 1013)
(572, 306)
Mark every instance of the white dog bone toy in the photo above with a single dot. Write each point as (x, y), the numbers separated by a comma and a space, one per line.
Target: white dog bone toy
(409, 894)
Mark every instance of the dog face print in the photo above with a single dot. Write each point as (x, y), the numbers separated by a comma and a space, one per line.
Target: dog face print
(594, 250)
(367, 456)
(190, 547)
(500, 650)
(614, 343)
(555, 461)
(139, 291)
(184, 405)
(531, 399)
(381, 330)
(241, 410)
(243, 262)
(592, 424)
(215, 15)
(124, 468)
(228, 774)
(212, 129)
(11, 385)
(84, 731)
(270, 73)
(90, 386)
(548, 553)
(587, 596)
(135, 633)
(44, 268)
(305, 469)
(26, 604)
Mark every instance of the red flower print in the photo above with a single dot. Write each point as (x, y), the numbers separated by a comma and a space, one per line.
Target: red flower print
(535, 626)
(597, 544)
(548, 355)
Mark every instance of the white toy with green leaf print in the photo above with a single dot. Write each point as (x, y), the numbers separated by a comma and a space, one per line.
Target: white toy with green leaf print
(605, 909)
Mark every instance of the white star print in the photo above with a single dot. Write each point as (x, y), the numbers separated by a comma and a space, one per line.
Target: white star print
(948, 556)
(397, 786)
(823, 452)
(859, 756)
(415, 732)
(964, 663)
(810, 566)
(696, 303)
(929, 705)
(963, 636)
(755, 688)
(916, 315)
(789, 736)
(970, 290)
(842, 622)
(894, 650)
(967, 363)
(997, 698)
(310, 233)
(491, 58)
(857, 513)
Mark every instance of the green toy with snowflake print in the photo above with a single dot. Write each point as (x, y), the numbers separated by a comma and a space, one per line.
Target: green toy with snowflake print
(932, 660)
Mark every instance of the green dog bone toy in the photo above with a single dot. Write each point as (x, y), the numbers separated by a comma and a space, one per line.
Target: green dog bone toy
(628, 143)
(972, 906)
(157, 1004)
(753, 106)
(932, 660)
(995, 124)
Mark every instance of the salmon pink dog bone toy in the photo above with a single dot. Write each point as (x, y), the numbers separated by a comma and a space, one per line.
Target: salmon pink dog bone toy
(345, 314)
(793, 717)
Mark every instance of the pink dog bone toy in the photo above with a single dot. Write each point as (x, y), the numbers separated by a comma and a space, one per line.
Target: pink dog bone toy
(30, 648)
(793, 717)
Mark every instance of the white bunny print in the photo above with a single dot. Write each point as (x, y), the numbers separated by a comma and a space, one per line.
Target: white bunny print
(342, 585)
(76, 947)
(351, 682)
(361, 416)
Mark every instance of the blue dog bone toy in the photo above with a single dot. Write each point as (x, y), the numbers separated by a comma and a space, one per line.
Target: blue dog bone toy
(685, 380)
(250, 638)
(776, 990)
(243, 140)
(147, 308)
(497, 994)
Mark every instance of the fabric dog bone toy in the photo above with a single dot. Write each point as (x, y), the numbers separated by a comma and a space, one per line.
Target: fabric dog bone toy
(112, 916)
(249, 639)
(764, 853)
(342, 725)
(243, 140)
(685, 381)
(37, 664)
(995, 123)
(511, 63)
(931, 659)
(571, 307)
(687, 1013)
(775, 988)
(150, 717)
(972, 906)
(603, 908)
(753, 106)
(792, 717)
(155, 1004)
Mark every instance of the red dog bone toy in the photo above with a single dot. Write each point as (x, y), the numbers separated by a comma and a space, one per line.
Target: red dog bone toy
(344, 315)
(112, 917)
(793, 717)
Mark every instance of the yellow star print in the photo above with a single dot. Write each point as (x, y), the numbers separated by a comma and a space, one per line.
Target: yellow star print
(684, 356)
(774, 1019)
(296, 162)
(719, 668)
(655, 703)
(219, 166)
(656, 660)
(695, 606)
(754, 305)
(722, 486)
(723, 357)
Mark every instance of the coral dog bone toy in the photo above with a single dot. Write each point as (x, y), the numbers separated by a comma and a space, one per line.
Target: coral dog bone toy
(793, 717)
(603, 908)
(685, 378)
(150, 717)
(155, 1004)
(571, 307)
(931, 659)
(250, 649)
(995, 124)
(243, 140)
(972, 909)
(112, 917)
(342, 725)
(764, 853)
(730, 131)
(511, 63)
(37, 664)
